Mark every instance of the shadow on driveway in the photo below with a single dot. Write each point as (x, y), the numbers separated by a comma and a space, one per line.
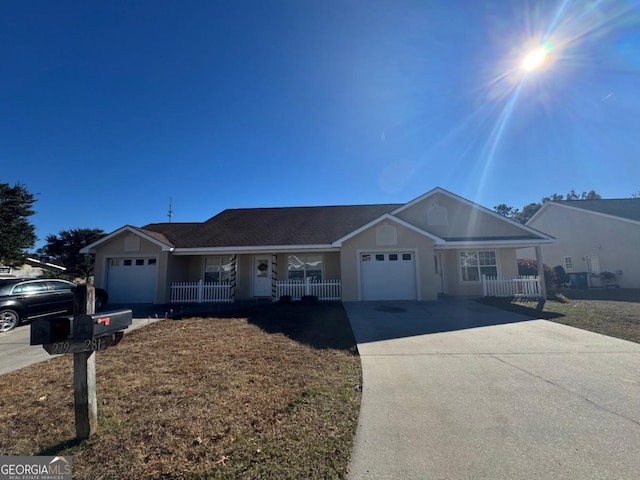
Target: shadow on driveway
(376, 321)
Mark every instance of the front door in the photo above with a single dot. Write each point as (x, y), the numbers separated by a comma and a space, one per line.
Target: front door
(262, 276)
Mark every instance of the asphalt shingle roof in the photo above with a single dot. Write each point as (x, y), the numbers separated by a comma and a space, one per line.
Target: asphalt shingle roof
(628, 208)
(246, 227)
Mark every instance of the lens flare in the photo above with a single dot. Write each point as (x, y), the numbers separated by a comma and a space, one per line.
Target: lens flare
(536, 59)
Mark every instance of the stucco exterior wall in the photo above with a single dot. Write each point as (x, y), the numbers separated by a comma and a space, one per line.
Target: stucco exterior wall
(183, 268)
(407, 240)
(115, 248)
(179, 269)
(507, 267)
(462, 220)
(245, 272)
(331, 265)
(580, 234)
(244, 285)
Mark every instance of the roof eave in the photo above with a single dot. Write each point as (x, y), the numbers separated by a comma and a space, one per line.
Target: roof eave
(548, 205)
(524, 243)
(91, 248)
(253, 249)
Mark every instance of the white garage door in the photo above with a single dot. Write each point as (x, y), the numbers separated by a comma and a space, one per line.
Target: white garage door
(388, 276)
(132, 280)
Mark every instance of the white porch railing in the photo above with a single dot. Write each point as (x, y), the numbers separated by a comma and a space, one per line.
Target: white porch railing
(326, 290)
(522, 286)
(200, 292)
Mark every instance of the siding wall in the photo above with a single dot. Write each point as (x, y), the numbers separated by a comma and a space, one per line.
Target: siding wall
(580, 233)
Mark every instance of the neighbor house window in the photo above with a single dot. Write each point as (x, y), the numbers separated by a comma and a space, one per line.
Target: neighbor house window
(475, 264)
(218, 269)
(302, 266)
(568, 263)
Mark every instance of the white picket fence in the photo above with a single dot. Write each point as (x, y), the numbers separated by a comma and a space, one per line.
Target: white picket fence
(522, 286)
(326, 290)
(200, 292)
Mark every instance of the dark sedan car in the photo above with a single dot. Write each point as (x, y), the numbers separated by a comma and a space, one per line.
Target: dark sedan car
(26, 299)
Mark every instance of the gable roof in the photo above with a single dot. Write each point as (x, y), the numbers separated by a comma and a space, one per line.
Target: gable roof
(256, 227)
(533, 233)
(388, 217)
(628, 208)
(622, 208)
(153, 237)
(324, 227)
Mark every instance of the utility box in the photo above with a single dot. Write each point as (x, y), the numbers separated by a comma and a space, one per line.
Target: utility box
(579, 279)
(90, 326)
(50, 330)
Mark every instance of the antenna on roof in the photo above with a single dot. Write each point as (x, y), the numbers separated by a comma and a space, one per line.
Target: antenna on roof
(170, 212)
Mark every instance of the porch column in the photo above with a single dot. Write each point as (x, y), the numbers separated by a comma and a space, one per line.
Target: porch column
(543, 285)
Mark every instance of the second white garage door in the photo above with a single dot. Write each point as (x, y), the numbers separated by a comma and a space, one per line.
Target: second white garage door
(388, 276)
(132, 280)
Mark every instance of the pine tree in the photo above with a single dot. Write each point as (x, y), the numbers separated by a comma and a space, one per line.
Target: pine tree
(64, 249)
(17, 233)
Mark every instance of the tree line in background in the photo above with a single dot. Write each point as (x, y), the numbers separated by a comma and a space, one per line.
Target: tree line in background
(17, 233)
(530, 210)
(18, 237)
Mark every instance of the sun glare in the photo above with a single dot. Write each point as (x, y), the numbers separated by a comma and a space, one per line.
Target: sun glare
(536, 59)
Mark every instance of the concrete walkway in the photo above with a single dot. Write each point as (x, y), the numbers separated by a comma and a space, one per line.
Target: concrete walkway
(459, 390)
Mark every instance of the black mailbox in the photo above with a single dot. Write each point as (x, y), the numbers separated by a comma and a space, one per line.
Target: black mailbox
(50, 330)
(88, 327)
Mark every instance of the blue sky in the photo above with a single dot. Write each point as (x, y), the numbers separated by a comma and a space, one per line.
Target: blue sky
(109, 108)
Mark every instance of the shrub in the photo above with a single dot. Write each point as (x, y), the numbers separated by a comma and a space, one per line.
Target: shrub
(309, 299)
(559, 297)
(529, 266)
(285, 299)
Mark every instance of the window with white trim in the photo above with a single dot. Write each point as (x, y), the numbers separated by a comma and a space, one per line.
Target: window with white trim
(303, 266)
(474, 264)
(218, 269)
(568, 264)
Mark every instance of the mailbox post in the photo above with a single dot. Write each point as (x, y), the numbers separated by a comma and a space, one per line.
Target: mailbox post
(85, 401)
(82, 335)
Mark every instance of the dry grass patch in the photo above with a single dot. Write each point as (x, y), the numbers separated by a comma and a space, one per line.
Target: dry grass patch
(274, 393)
(614, 312)
(620, 319)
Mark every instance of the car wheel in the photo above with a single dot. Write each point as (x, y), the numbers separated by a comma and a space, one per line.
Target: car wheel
(9, 319)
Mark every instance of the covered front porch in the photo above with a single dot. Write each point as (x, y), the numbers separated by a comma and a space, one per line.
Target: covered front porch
(272, 276)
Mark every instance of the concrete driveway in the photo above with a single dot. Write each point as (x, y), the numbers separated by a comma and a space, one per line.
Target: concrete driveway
(460, 390)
